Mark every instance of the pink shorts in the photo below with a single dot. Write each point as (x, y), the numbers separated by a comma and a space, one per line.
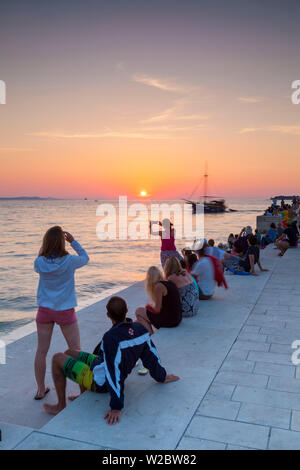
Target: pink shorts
(61, 317)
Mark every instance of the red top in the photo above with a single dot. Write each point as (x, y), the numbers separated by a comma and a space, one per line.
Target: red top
(168, 244)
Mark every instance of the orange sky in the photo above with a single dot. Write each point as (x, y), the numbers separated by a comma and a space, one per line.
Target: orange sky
(107, 107)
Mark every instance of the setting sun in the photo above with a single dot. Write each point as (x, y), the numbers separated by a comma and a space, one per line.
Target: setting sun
(143, 193)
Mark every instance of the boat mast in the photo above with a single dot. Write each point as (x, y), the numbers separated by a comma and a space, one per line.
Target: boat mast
(205, 182)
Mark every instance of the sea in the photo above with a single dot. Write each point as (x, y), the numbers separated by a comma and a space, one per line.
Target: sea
(113, 263)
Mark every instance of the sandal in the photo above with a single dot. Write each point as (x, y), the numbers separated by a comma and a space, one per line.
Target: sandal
(41, 398)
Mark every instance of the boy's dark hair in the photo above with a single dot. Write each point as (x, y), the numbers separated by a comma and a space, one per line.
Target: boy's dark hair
(273, 225)
(117, 308)
(252, 240)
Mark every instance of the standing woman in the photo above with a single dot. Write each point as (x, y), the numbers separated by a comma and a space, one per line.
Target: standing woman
(164, 311)
(167, 236)
(56, 297)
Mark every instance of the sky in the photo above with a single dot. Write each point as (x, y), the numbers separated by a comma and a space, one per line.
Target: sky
(110, 98)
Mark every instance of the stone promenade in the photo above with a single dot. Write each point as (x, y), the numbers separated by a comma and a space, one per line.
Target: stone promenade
(238, 390)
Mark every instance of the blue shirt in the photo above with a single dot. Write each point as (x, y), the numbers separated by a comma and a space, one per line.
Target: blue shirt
(56, 289)
(272, 235)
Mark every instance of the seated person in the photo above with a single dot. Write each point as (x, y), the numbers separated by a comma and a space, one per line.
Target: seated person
(270, 236)
(232, 262)
(165, 309)
(252, 257)
(246, 231)
(107, 371)
(240, 245)
(238, 248)
(213, 250)
(230, 240)
(191, 260)
(203, 271)
(186, 284)
(258, 236)
(183, 264)
(288, 239)
(294, 226)
(186, 252)
(280, 230)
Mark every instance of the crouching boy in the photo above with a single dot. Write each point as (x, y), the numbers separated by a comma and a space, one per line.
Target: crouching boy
(121, 347)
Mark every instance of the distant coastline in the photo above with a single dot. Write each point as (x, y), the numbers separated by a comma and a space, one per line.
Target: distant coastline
(28, 198)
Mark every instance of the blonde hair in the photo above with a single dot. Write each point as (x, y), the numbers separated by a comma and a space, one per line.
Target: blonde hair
(154, 276)
(173, 266)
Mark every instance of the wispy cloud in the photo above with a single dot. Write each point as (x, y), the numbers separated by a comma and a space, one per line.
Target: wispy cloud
(101, 135)
(177, 112)
(143, 132)
(294, 130)
(16, 149)
(171, 114)
(175, 128)
(247, 130)
(283, 129)
(161, 83)
(250, 99)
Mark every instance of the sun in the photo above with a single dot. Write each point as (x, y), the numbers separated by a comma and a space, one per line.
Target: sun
(143, 193)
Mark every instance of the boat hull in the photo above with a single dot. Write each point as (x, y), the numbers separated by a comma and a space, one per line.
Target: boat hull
(208, 209)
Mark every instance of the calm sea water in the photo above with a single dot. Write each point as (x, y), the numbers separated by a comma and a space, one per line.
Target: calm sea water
(112, 263)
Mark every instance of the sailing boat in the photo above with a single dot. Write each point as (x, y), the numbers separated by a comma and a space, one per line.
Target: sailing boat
(211, 206)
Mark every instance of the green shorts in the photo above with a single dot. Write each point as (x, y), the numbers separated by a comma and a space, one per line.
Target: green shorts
(80, 370)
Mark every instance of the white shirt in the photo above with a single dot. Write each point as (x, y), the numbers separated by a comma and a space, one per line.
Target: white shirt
(204, 271)
(215, 251)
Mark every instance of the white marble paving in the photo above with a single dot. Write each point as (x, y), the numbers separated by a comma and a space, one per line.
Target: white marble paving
(238, 387)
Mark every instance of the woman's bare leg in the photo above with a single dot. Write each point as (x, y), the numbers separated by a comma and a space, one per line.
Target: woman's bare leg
(142, 317)
(71, 335)
(44, 333)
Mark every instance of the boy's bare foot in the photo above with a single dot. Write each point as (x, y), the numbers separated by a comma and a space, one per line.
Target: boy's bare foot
(53, 409)
(73, 397)
(171, 378)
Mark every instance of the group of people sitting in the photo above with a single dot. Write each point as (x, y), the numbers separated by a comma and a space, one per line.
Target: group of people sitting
(245, 248)
(173, 292)
(283, 237)
(288, 212)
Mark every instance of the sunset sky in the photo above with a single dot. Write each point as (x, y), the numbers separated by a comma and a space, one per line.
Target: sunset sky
(110, 98)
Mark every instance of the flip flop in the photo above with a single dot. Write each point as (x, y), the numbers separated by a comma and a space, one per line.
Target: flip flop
(41, 398)
(143, 371)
